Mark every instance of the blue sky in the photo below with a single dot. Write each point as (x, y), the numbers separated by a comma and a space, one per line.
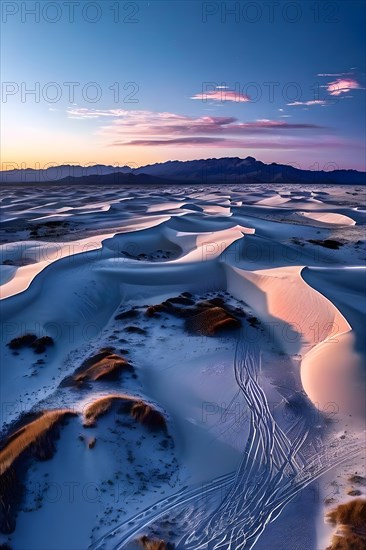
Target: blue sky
(281, 81)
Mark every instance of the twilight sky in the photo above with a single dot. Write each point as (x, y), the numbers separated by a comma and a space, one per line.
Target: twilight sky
(134, 83)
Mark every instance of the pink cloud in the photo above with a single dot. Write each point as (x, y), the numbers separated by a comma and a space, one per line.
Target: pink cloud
(342, 86)
(311, 102)
(333, 74)
(222, 94)
(224, 143)
(189, 141)
(148, 123)
(148, 128)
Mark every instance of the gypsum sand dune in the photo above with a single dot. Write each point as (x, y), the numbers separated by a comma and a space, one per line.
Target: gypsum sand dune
(24, 275)
(36, 439)
(328, 218)
(305, 322)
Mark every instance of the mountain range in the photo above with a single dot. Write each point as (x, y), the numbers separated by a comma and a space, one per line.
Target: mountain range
(227, 170)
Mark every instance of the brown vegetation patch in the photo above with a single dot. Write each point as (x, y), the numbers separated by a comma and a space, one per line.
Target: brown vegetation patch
(109, 367)
(181, 300)
(26, 340)
(354, 493)
(32, 435)
(212, 320)
(91, 442)
(350, 520)
(132, 329)
(206, 317)
(139, 410)
(147, 415)
(130, 314)
(357, 480)
(35, 438)
(105, 365)
(99, 408)
(31, 341)
(50, 229)
(154, 544)
(327, 243)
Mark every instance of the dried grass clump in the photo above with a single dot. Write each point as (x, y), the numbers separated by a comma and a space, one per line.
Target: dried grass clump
(350, 520)
(148, 416)
(154, 544)
(357, 480)
(34, 438)
(91, 442)
(26, 340)
(181, 300)
(130, 314)
(109, 367)
(132, 329)
(207, 317)
(98, 408)
(31, 341)
(139, 410)
(211, 320)
(327, 243)
(105, 365)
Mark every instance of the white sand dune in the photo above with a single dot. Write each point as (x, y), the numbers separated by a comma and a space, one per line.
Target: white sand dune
(41, 255)
(328, 218)
(150, 245)
(275, 200)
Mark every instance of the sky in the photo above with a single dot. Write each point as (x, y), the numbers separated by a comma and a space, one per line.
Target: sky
(115, 82)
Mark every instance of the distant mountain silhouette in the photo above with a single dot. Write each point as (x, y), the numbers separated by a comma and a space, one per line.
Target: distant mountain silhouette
(232, 170)
(56, 173)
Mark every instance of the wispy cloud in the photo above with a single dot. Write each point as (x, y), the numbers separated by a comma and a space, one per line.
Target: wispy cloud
(147, 128)
(83, 113)
(227, 143)
(307, 103)
(333, 74)
(342, 86)
(222, 94)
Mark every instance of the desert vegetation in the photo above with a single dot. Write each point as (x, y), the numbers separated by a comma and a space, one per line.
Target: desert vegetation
(205, 317)
(356, 479)
(105, 365)
(211, 320)
(138, 409)
(132, 329)
(50, 229)
(327, 243)
(35, 438)
(350, 521)
(28, 340)
(129, 314)
(148, 543)
(34, 435)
